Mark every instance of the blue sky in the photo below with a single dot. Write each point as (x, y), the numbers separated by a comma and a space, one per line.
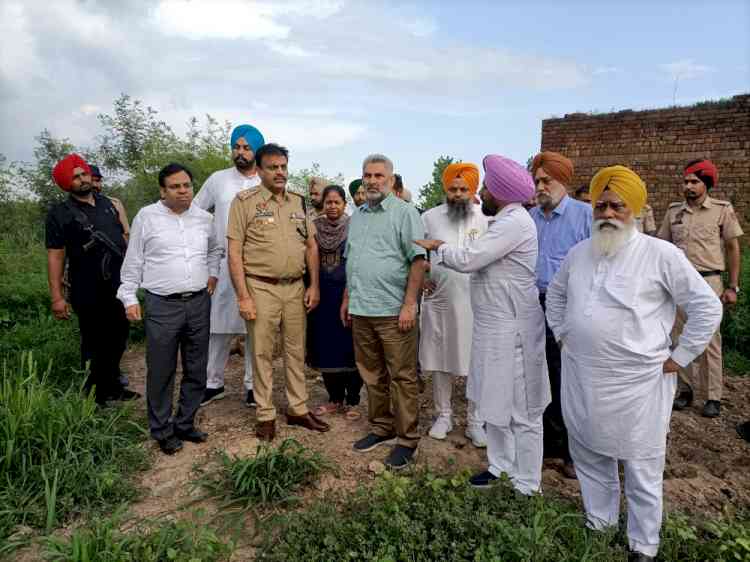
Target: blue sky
(337, 79)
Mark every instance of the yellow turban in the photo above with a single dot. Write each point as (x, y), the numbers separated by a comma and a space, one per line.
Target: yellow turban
(464, 170)
(624, 182)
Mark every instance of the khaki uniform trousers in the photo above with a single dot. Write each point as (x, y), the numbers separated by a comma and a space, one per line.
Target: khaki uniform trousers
(705, 374)
(387, 360)
(279, 306)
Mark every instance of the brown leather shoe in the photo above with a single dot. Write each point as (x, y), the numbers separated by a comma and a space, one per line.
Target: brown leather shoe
(308, 421)
(265, 430)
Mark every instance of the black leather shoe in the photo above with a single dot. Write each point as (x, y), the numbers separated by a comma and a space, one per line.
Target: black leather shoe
(743, 430)
(683, 400)
(170, 445)
(193, 435)
(711, 409)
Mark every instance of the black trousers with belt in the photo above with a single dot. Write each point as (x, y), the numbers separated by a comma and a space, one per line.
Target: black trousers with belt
(172, 324)
(555, 433)
(104, 332)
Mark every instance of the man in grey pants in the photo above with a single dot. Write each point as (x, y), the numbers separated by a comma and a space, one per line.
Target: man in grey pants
(174, 255)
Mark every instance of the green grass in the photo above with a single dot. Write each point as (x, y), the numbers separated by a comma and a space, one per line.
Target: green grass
(160, 541)
(60, 455)
(272, 477)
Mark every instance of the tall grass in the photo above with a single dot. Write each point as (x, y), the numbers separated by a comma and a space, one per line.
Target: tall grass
(60, 454)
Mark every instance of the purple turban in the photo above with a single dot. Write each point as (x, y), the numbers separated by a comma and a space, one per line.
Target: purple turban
(507, 180)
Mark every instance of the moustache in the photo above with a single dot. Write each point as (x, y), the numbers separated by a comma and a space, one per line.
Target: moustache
(608, 223)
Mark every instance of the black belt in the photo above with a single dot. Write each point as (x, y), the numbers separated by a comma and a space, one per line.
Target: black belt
(181, 296)
(274, 280)
(710, 273)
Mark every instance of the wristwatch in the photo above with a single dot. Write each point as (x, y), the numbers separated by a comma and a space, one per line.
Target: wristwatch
(735, 289)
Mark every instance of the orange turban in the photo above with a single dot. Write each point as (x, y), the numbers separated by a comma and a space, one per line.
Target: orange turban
(464, 170)
(555, 164)
(62, 173)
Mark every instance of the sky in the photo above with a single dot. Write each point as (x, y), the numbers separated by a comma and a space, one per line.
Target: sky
(335, 80)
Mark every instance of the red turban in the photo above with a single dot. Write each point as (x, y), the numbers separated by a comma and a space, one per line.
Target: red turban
(555, 164)
(62, 173)
(705, 171)
(464, 170)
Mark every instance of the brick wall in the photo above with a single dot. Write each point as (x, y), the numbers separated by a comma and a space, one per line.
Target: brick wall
(658, 143)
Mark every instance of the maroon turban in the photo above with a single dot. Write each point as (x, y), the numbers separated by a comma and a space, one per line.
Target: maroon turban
(507, 180)
(706, 171)
(62, 173)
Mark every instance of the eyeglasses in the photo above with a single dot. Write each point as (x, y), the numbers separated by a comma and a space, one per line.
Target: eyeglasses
(601, 206)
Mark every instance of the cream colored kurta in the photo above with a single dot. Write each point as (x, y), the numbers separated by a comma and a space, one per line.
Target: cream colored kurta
(614, 316)
(505, 304)
(446, 319)
(218, 192)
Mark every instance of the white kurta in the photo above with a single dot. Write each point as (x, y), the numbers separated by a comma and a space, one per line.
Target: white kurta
(505, 303)
(446, 319)
(614, 316)
(218, 192)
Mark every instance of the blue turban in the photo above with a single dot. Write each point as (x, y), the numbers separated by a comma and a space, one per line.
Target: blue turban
(252, 136)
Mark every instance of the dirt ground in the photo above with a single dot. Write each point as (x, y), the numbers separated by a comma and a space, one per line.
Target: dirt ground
(708, 465)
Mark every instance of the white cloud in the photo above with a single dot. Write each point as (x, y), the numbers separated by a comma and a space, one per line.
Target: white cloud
(686, 69)
(421, 27)
(289, 50)
(89, 109)
(16, 44)
(606, 70)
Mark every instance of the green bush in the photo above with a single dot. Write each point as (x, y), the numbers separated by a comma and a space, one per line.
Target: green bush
(164, 541)
(735, 327)
(272, 476)
(60, 454)
(721, 540)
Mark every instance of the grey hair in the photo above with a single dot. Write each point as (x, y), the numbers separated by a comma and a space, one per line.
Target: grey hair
(378, 159)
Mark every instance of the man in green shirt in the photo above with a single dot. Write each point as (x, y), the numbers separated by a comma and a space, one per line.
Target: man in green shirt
(384, 274)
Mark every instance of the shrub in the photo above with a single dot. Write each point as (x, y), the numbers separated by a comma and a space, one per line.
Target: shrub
(162, 541)
(735, 327)
(60, 454)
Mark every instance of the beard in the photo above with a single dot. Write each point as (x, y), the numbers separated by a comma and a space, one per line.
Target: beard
(458, 209)
(547, 202)
(374, 199)
(609, 235)
(243, 163)
(489, 209)
(84, 190)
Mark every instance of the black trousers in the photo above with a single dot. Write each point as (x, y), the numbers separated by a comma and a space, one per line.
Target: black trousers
(343, 387)
(555, 433)
(104, 334)
(172, 325)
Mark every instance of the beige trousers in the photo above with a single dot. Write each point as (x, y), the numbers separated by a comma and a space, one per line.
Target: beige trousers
(705, 374)
(278, 307)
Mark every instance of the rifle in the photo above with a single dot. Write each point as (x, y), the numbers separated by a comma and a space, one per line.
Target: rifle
(97, 237)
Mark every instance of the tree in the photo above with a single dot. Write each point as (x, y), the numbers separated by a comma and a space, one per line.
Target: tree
(432, 194)
(36, 179)
(299, 180)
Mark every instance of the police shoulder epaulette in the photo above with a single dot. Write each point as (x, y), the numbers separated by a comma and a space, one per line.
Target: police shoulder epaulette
(721, 202)
(677, 204)
(245, 193)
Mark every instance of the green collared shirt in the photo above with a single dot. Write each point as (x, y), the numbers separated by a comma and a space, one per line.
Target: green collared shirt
(379, 252)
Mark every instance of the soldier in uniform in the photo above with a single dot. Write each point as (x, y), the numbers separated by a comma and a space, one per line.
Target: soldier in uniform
(644, 222)
(699, 226)
(270, 239)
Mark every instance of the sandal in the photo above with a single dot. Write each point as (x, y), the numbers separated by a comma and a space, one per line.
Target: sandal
(351, 414)
(326, 409)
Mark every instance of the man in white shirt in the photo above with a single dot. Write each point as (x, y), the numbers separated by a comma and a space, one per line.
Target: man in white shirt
(508, 373)
(218, 193)
(446, 319)
(173, 254)
(611, 308)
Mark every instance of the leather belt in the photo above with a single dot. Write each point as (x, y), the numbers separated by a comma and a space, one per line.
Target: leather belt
(181, 296)
(274, 280)
(710, 273)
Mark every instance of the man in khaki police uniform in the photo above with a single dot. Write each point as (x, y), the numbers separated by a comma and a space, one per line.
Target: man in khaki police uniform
(269, 241)
(699, 226)
(645, 222)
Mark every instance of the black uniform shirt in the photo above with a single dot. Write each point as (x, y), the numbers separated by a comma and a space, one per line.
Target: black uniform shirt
(88, 285)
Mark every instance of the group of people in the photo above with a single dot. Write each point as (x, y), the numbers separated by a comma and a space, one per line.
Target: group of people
(562, 314)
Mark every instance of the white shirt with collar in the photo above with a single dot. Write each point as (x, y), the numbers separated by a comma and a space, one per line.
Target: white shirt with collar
(169, 252)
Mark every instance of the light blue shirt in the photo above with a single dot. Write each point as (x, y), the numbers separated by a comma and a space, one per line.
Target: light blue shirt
(379, 251)
(566, 226)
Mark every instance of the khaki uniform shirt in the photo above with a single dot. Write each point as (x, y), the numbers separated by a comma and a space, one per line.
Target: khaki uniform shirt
(700, 232)
(645, 221)
(273, 231)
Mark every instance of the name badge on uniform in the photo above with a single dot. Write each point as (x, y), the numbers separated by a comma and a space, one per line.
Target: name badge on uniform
(262, 212)
(473, 234)
(297, 217)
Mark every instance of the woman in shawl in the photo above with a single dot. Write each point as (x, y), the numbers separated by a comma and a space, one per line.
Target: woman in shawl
(330, 348)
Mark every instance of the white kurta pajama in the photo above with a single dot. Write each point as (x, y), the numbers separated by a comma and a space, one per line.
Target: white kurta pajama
(446, 318)
(613, 317)
(218, 192)
(508, 373)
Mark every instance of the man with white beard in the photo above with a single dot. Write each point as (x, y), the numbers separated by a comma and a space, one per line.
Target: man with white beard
(218, 192)
(446, 320)
(611, 308)
(508, 373)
